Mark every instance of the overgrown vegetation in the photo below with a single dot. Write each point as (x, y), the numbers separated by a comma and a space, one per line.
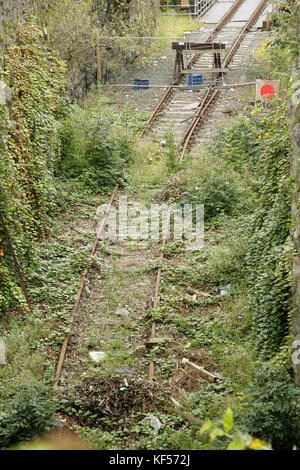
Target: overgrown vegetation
(267, 266)
(93, 151)
(273, 409)
(27, 415)
(227, 307)
(77, 28)
(30, 143)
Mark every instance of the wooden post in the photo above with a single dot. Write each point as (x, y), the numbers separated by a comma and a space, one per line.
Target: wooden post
(176, 73)
(217, 64)
(181, 62)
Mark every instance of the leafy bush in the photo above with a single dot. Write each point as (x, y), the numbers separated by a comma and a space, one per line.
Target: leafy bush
(270, 283)
(219, 191)
(29, 414)
(93, 151)
(273, 407)
(268, 267)
(238, 144)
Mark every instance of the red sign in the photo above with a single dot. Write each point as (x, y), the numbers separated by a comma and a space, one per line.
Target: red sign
(267, 92)
(267, 89)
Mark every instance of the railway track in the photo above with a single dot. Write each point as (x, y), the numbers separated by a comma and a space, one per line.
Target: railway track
(192, 60)
(191, 121)
(179, 111)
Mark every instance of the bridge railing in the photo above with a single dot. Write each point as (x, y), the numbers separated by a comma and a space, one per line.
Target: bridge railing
(202, 5)
(188, 7)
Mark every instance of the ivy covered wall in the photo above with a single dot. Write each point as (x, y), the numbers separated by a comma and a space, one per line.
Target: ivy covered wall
(294, 123)
(29, 145)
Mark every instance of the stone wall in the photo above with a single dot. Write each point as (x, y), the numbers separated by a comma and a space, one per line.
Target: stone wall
(294, 123)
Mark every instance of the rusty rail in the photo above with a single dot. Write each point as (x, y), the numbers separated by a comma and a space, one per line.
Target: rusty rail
(80, 291)
(170, 89)
(227, 17)
(157, 284)
(158, 109)
(210, 96)
(250, 23)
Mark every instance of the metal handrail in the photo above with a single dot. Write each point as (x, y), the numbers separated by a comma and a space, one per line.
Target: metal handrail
(199, 7)
(202, 5)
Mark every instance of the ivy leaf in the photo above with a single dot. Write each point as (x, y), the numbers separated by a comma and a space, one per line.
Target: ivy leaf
(228, 420)
(216, 433)
(206, 427)
(237, 445)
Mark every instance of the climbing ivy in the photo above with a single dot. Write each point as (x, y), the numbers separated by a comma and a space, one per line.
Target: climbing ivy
(267, 260)
(258, 147)
(29, 142)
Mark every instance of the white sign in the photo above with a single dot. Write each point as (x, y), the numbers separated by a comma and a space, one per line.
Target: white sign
(2, 353)
(4, 93)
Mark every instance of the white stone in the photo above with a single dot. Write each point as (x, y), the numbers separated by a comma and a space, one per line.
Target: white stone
(155, 423)
(123, 311)
(191, 106)
(88, 290)
(97, 356)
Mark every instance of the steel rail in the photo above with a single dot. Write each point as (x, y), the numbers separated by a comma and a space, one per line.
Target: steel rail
(207, 100)
(227, 17)
(158, 108)
(168, 92)
(250, 23)
(80, 291)
(157, 284)
(209, 97)
(204, 105)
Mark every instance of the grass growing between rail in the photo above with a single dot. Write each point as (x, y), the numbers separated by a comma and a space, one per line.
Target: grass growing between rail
(237, 271)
